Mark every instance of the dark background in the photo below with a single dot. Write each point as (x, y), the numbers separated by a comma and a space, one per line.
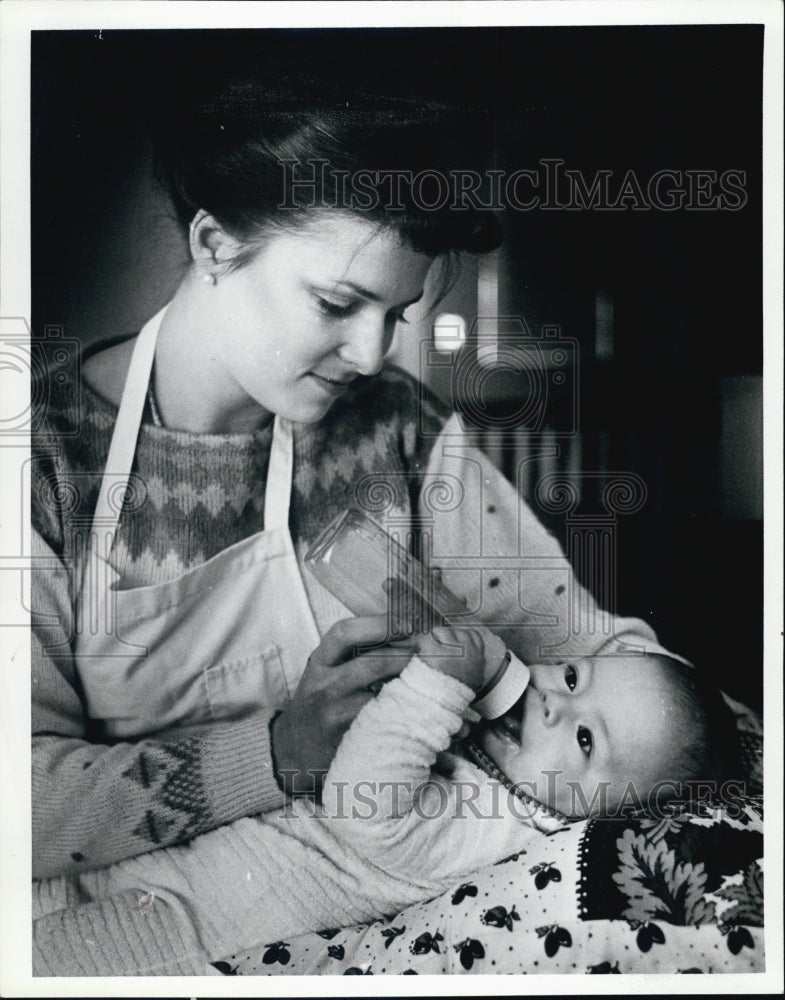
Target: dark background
(683, 384)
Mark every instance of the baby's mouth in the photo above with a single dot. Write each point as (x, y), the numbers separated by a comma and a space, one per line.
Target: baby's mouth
(511, 723)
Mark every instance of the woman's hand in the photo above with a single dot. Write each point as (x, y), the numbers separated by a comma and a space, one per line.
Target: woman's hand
(334, 687)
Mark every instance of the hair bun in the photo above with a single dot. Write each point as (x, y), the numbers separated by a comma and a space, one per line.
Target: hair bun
(226, 152)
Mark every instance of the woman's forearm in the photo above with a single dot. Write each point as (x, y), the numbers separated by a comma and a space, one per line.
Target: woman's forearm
(94, 804)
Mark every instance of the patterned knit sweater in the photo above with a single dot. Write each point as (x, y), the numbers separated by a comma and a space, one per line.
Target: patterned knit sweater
(95, 803)
(386, 446)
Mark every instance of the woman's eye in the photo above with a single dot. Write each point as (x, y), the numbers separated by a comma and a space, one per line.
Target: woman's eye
(585, 741)
(333, 308)
(570, 677)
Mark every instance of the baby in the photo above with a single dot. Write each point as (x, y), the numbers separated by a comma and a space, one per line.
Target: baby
(406, 811)
(591, 734)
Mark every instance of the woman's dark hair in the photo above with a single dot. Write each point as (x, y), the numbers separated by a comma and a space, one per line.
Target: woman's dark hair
(257, 156)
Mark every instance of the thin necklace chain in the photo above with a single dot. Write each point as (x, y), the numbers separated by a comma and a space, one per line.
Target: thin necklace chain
(155, 413)
(484, 762)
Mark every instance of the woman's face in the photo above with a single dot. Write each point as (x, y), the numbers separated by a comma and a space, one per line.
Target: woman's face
(312, 310)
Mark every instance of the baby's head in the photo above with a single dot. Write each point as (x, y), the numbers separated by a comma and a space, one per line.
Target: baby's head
(590, 735)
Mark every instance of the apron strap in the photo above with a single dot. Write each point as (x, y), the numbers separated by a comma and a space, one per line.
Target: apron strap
(126, 432)
(277, 494)
(129, 419)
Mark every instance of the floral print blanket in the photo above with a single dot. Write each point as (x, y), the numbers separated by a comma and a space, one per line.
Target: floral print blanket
(681, 893)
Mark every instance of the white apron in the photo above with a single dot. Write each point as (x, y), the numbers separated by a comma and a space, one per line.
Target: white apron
(228, 637)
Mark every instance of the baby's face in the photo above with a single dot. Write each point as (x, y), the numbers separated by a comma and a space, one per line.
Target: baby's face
(583, 723)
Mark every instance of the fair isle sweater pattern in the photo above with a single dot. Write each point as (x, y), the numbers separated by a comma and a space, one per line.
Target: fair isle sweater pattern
(202, 493)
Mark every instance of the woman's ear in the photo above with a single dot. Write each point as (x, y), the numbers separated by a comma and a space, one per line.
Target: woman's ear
(209, 243)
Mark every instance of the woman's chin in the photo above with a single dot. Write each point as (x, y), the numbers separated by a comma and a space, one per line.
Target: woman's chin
(305, 411)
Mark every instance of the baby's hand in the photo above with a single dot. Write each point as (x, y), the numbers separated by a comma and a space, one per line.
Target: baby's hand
(458, 652)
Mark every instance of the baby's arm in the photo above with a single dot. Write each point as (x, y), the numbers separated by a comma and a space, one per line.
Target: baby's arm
(383, 798)
(394, 741)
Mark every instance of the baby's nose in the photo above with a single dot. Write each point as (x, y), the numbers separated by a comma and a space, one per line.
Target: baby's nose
(553, 707)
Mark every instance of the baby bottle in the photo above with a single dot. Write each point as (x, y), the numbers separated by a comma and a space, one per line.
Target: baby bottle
(354, 558)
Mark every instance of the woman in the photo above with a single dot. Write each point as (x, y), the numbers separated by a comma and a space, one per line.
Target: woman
(187, 671)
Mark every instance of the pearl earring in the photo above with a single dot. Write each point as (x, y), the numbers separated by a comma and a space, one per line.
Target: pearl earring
(209, 278)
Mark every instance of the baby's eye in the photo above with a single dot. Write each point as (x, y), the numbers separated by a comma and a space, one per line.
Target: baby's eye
(570, 676)
(585, 741)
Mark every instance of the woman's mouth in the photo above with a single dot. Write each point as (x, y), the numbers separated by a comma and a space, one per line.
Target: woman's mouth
(333, 386)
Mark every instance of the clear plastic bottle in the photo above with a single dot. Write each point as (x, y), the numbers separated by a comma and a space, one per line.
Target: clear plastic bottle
(354, 558)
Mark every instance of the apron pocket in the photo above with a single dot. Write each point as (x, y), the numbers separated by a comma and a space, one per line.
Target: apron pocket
(238, 687)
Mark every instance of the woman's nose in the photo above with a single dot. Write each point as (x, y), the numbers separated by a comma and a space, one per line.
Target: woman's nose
(365, 347)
